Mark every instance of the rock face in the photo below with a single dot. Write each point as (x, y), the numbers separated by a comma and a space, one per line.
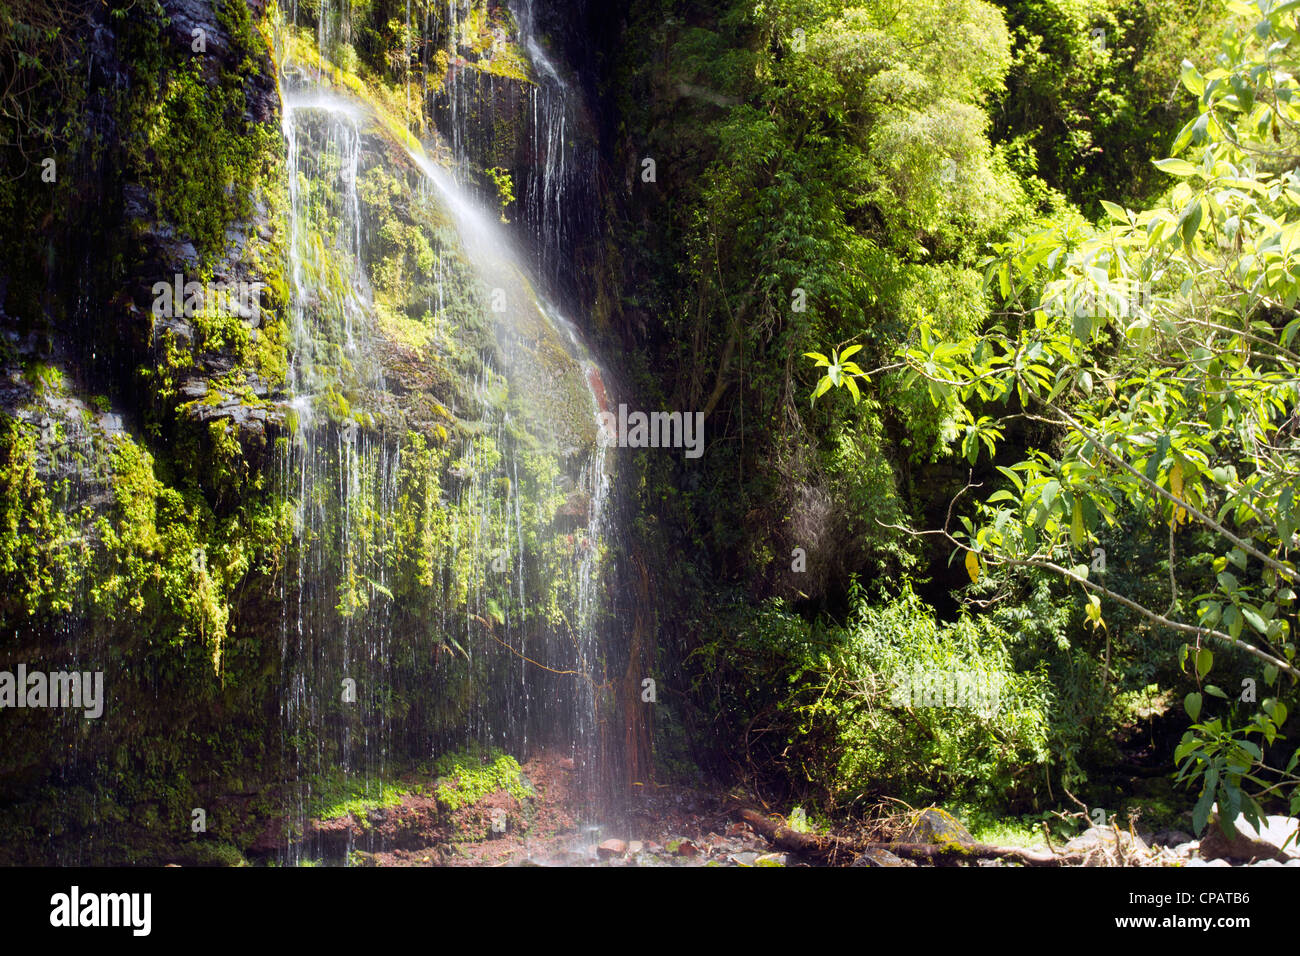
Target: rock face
(501, 99)
(141, 426)
(448, 331)
(365, 470)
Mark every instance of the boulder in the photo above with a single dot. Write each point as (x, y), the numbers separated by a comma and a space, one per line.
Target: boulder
(1217, 844)
(933, 825)
(876, 857)
(1171, 838)
(1106, 838)
(685, 848)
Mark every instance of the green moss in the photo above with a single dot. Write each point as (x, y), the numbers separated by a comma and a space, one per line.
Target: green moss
(45, 379)
(204, 151)
(468, 776)
(341, 795)
(40, 563)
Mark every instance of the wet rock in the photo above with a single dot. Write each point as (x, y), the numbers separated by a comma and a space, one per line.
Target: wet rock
(684, 848)
(771, 859)
(1171, 838)
(1234, 844)
(747, 858)
(877, 857)
(934, 825)
(611, 849)
(1279, 831)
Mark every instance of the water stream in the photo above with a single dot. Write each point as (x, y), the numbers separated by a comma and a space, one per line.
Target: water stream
(369, 684)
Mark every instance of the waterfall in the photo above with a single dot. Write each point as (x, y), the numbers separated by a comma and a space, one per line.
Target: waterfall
(421, 615)
(558, 191)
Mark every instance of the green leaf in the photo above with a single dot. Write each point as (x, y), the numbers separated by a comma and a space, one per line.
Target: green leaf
(1192, 704)
(1192, 79)
(1191, 221)
(1254, 620)
(822, 388)
(1049, 493)
(1115, 212)
(1233, 619)
(1081, 325)
(1175, 167)
(1204, 661)
(1279, 713)
(1201, 813)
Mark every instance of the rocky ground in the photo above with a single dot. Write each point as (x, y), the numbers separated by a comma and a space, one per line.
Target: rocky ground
(669, 826)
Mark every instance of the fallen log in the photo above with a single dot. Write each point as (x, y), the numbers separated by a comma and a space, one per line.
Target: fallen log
(838, 851)
(823, 849)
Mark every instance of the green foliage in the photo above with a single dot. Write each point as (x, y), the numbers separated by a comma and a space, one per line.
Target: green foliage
(885, 746)
(1089, 96)
(1158, 346)
(340, 795)
(39, 563)
(505, 188)
(830, 173)
(206, 152)
(468, 776)
(838, 707)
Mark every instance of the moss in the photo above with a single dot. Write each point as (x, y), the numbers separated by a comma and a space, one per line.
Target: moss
(45, 379)
(40, 563)
(339, 795)
(203, 151)
(468, 776)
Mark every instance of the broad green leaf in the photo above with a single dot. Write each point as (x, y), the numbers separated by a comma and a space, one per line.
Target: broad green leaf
(1175, 167)
(1204, 661)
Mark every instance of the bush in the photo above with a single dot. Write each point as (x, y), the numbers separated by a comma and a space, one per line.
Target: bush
(924, 711)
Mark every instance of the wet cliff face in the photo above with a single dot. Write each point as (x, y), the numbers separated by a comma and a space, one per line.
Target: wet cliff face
(286, 407)
(136, 439)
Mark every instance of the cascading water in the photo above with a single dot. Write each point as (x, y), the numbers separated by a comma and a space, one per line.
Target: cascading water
(449, 537)
(558, 187)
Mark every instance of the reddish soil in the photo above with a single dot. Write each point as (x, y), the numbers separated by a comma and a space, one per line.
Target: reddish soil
(661, 826)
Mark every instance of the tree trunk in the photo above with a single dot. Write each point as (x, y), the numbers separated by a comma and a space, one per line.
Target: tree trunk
(838, 851)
